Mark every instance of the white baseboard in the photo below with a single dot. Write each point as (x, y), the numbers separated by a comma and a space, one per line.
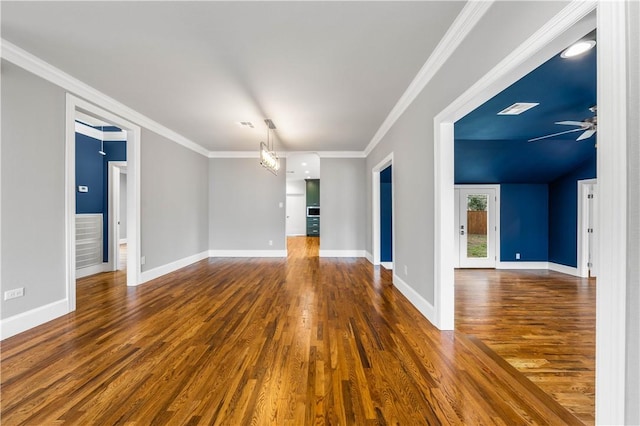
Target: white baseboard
(522, 265)
(420, 303)
(247, 253)
(342, 253)
(123, 241)
(369, 257)
(33, 318)
(154, 273)
(304, 234)
(569, 270)
(387, 265)
(92, 270)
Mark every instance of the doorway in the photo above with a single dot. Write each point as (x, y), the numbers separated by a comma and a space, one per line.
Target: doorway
(303, 219)
(477, 212)
(117, 235)
(77, 106)
(377, 221)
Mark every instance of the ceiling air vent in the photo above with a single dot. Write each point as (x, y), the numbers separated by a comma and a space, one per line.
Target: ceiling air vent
(245, 124)
(518, 108)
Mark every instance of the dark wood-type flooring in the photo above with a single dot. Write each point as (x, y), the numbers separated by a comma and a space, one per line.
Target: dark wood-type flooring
(295, 341)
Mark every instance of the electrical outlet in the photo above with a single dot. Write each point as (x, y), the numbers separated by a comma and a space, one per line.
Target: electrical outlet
(406, 270)
(143, 260)
(517, 256)
(270, 242)
(12, 294)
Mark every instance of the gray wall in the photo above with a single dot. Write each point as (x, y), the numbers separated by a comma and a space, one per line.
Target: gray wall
(244, 211)
(633, 225)
(33, 190)
(174, 195)
(342, 200)
(503, 28)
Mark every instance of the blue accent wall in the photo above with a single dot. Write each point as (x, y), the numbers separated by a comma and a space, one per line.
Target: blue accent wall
(386, 212)
(563, 214)
(524, 222)
(92, 170)
(89, 172)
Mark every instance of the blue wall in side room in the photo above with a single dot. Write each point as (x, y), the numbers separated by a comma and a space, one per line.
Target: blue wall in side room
(563, 214)
(386, 212)
(524, 222)
(89, 165)
(92, 171)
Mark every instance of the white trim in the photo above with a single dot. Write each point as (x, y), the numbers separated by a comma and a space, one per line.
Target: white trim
(92, 270)
(37, 66)
(342, 253)
(159, 271)
(420, 303)
(522, 265)
(387, 265)
(123, 241)
(33, 318)
(113, 201)
(466, 20)
(569, 270)
(247, 253)
(557, 267)
(94, 133)
(341, 154)
(133, 191)
(234, 154)
(375, 208)
(555, 35)
(582, 249)
(369, 257)
(611, 213)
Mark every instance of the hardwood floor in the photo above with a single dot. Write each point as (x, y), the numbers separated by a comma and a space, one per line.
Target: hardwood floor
(541, 322)
(302, 340)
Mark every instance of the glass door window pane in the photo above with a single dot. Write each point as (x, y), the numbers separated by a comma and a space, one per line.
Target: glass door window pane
(477, 225)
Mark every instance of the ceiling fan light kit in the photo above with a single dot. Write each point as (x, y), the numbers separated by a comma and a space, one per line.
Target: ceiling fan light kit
(589, 127)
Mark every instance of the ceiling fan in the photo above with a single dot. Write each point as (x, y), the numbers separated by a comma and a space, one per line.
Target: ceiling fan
(588, 126)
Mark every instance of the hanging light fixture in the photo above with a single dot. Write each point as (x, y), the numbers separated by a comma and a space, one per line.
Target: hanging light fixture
(268, 157)
(101, 152)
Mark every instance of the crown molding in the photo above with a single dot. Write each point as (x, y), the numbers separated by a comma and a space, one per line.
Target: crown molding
(42, 69)
(285, 154)
(342, 154)
(234, 154)
(466, 20)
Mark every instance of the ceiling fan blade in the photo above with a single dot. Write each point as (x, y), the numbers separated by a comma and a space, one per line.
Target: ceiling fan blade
(554, 134)
(571, 123)
(586, 135)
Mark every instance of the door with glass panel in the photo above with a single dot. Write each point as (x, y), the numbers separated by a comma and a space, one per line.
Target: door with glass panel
(476, 227)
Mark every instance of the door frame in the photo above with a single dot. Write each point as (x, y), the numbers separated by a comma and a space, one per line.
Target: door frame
(612, 95)
(375, 205)
(115, 170)
(74, 104)
(583, 221)
(496, 217)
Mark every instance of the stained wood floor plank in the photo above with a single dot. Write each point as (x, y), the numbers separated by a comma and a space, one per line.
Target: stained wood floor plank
(296, 341)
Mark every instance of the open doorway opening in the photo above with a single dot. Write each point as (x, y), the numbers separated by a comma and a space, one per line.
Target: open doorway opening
(303, 212)
(382, 214)
(111, 144)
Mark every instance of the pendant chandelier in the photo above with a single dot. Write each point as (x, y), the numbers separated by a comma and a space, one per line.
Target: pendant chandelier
(268, 157)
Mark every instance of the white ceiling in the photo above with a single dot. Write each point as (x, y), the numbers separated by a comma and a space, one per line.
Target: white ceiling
(326, 73)
(299, 164)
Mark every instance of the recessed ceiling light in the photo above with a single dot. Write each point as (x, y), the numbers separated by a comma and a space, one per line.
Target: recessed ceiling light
(304, 164)
(518, 108)
(578, 48)
(306, 171)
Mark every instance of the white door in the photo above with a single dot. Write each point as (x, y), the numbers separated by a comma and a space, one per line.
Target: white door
(592, 231)
(296, 215)
(476, 227)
